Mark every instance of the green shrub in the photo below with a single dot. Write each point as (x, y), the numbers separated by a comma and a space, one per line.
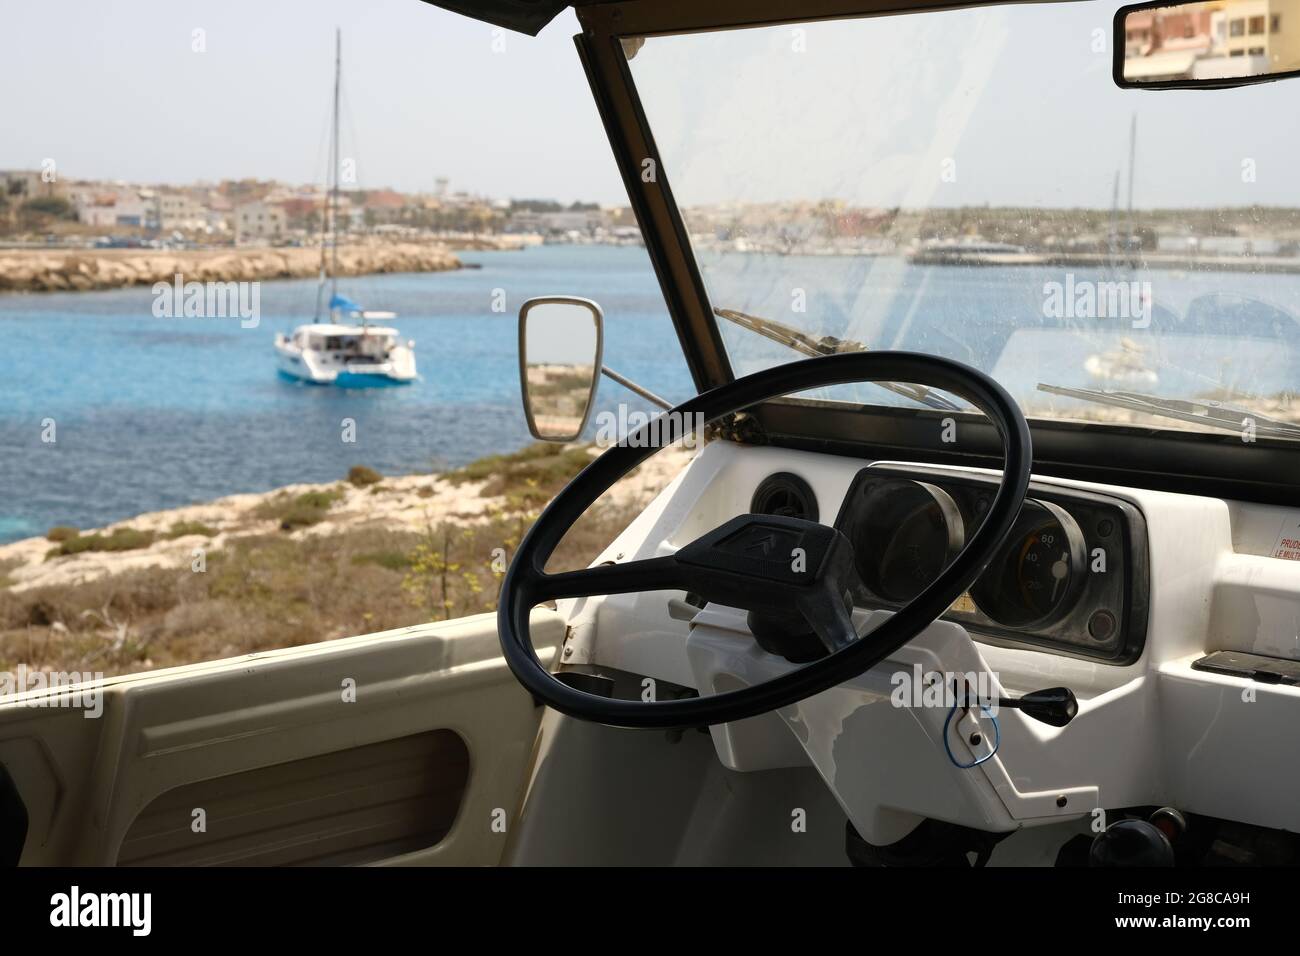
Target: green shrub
(120, 539)
(55, 206)
(361, 476)
(536, 472)
(392, 560)
(73, 546)
(61, 532)
(318, 499)
(182, 528)
(308, 508)
(484, 468)
(301, 514)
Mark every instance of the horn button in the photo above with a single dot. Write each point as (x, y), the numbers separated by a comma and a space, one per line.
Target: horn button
(793, 577)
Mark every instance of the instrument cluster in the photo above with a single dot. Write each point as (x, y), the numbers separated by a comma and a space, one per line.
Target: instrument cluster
(1072, 576)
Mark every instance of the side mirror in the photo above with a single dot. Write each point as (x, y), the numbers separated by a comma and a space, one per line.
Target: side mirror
(560, 343)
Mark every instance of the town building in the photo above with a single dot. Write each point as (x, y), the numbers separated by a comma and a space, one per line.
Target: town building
(259, 221)
(1217, 39)
(177, 212)
(27, 184)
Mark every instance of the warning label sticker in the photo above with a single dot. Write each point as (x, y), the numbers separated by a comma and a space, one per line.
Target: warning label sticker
(1287, 545)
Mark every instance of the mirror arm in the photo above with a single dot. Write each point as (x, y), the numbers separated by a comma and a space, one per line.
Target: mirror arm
(632, 386)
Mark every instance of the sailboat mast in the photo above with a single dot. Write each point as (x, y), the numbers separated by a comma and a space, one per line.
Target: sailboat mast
(1132, 164)
(1114, 216)
(328, 230)
(334, 167)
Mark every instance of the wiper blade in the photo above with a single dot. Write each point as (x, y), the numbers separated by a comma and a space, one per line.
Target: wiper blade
(792, 338)
(1217, 414)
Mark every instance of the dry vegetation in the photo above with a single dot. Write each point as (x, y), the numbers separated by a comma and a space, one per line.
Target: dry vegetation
(290, 587)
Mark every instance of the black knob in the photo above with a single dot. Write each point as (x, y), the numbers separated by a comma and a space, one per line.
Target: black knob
(1055, 705)
(1131, 843)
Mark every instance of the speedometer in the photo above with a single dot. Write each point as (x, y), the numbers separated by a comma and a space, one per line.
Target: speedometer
(1070, 576)
(1038, 576)
(906, 533)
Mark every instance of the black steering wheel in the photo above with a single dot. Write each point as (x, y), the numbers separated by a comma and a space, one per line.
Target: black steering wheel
(758, 562)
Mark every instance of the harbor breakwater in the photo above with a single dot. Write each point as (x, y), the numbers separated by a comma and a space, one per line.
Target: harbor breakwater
(62, 270)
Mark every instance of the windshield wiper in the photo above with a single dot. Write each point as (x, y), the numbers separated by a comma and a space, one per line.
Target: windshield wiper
(1217, 414)
(802, 342)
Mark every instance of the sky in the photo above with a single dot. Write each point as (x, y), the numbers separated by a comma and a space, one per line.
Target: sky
(113, 89)
(1005, 105)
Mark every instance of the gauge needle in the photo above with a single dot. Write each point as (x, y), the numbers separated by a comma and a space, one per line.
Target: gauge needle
(1059, 570)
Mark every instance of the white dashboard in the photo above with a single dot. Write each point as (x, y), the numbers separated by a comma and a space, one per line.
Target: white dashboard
(1153, 731)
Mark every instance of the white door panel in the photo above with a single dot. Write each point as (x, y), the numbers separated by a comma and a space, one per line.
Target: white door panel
(284, 768)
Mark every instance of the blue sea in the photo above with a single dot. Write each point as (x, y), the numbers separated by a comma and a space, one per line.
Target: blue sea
(153, 413)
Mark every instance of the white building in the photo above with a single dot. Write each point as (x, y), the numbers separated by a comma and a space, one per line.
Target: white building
(583, 221)
(178, 211)
(258, 221)
(105, 207)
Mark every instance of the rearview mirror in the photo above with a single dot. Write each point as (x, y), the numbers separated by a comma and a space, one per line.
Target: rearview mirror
(1214, 44)
(560, 344)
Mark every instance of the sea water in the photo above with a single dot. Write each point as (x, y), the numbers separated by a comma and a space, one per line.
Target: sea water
(150, 413)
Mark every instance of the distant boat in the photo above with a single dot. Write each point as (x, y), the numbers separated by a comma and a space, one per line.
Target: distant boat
(973, 252)
(1125, 365)
(342, 352)
(346, 354)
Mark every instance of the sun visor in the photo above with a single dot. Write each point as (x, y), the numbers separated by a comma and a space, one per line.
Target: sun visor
(522, 16)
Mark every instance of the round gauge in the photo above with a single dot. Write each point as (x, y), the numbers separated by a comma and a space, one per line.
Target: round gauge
(906, 533)
(1038, 576)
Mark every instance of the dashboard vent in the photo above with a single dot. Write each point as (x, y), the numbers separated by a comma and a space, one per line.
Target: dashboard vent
(786, 495)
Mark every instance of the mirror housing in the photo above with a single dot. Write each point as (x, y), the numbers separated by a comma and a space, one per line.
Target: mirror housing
(1209, 44)
(561, 339)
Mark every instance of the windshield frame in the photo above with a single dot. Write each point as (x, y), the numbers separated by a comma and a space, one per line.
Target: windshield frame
(1141, 456)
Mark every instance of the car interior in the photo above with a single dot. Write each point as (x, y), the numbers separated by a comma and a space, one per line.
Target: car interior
(930, 589)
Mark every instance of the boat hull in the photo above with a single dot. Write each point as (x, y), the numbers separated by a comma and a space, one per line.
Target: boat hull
(369, 380)
(298, 365)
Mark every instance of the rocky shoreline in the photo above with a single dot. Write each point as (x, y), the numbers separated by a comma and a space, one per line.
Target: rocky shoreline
(404, 503)
(84, 270)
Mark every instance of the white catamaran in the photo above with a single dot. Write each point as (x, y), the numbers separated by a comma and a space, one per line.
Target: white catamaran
(341, 351)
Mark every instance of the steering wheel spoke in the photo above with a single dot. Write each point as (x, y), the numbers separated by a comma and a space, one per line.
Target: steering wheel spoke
(765, 564)
(648, 574)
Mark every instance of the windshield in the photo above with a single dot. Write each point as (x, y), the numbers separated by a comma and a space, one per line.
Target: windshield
(971, 183)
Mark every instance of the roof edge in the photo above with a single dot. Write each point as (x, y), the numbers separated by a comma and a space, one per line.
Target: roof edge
(521, 16)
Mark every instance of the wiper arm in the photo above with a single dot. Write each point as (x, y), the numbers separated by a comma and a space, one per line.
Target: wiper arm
(802, 342)
(1217, 414)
